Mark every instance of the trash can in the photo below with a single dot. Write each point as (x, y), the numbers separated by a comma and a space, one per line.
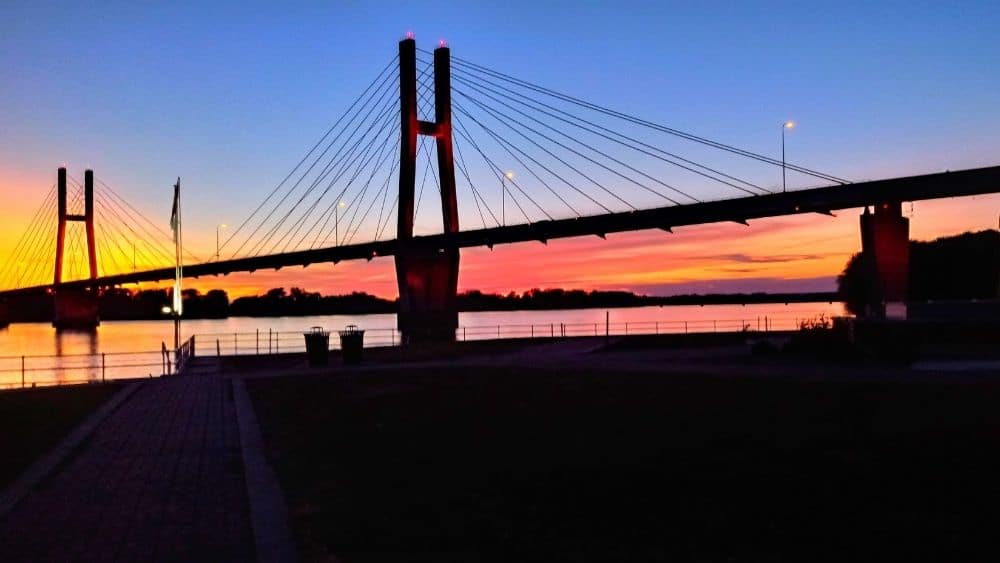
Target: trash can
(317, 346)
(352, 343)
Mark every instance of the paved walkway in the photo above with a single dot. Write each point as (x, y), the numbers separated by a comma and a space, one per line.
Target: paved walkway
(160, 479)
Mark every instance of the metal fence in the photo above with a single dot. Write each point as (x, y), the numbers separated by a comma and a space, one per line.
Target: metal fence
(274, 342)
(67, 369)
(33, 371)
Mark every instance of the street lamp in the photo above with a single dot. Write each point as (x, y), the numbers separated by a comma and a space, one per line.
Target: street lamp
(336, 222)
(503, 194)
(786, 125)
(217, 228)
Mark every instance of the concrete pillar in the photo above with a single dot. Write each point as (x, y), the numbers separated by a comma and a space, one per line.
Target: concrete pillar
(75, 309)
(885, 244)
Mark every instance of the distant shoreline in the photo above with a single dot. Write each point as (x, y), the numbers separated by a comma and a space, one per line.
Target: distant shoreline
(472, 302)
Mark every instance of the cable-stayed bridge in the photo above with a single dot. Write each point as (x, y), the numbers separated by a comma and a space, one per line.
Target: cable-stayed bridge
(511, 160)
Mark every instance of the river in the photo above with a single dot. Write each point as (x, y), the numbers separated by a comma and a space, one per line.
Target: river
(120, 349)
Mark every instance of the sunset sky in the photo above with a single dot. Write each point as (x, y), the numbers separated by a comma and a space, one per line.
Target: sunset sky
(230, 97)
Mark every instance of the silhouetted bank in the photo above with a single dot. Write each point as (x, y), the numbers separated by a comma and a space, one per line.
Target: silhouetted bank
(965, 266)
(124, 304)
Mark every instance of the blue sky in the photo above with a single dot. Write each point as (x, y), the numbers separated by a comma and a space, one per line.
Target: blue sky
(230, 96)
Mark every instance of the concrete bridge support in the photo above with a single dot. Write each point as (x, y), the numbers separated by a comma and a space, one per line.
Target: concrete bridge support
(76, 308)
(427, 275)
(885, 245)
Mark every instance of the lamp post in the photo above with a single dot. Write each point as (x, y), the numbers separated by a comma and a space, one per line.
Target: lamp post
(336, 222)
(509, 175)
(217, 228)
(786, 125)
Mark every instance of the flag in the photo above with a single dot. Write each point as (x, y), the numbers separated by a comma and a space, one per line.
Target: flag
(173, 211)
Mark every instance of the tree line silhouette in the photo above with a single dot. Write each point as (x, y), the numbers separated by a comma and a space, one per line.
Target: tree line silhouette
(965, 266)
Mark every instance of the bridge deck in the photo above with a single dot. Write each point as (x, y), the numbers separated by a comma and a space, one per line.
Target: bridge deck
(816, 200)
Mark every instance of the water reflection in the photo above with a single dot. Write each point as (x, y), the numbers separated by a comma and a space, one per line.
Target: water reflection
(76, 354)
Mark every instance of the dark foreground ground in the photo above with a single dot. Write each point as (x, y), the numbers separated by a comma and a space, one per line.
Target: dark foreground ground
(32, 421)
(498, 465)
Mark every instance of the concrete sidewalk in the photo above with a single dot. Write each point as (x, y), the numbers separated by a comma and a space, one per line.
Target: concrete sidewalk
(160, 479)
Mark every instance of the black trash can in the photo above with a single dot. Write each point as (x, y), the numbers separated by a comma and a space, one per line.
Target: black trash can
(352, 343)
(317, 346)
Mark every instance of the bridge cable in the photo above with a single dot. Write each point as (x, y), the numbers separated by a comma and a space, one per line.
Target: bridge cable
(339, 162)
(592, 148)
(363, 163)
(380, 160)
(663, 153)
(347, 161)
(460, 161)
(508, 119)
(156, 228)
(325, 216)
(464, 133)
(158, 259)
(507, 145)
(643, 122)
(384, 187)
(333, 127)
(156, 245)
(25, 245)
(340, 158)
(40, 253)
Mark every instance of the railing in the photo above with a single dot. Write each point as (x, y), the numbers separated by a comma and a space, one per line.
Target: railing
(261, 342)
(606, 328)
(31, 371)
(67, 369)
(183, 354)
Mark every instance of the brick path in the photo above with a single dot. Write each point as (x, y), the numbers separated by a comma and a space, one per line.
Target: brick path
(161, 479)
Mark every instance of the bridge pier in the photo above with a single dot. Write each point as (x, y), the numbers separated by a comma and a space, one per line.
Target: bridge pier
(428, 288)
(885, 247)
(75, 309)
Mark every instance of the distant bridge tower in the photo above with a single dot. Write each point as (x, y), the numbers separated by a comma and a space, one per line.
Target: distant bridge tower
(427, 275)
(75, 308)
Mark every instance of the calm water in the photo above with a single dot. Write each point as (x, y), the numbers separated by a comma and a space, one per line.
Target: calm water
(132, 348)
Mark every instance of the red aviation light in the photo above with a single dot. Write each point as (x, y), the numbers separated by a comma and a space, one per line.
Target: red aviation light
(409, 35)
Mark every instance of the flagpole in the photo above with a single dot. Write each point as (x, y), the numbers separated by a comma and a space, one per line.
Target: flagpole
(179, 270)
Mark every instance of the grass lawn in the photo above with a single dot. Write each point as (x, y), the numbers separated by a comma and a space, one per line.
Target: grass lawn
(539, 466)
(32, 421)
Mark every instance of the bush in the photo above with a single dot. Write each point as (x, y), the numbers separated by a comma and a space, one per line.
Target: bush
(820, 338)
